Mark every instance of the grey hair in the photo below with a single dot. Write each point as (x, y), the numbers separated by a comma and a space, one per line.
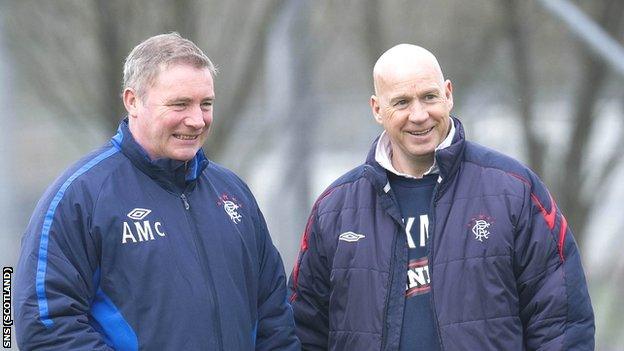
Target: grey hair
(147, 59)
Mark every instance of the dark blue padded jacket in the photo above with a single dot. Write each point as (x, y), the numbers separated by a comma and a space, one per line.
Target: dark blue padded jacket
(124, 253)
(505, 270)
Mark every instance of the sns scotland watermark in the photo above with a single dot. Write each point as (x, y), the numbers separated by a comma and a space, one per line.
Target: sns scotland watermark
(7, 322)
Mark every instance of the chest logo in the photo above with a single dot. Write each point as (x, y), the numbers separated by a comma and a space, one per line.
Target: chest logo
(139, 230)
(350, 237)
(138, 213)
(480, 227)
(230, 205)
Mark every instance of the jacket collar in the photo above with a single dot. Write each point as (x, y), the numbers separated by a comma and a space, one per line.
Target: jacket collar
(383, 153)
(175, 176)
(447, 160)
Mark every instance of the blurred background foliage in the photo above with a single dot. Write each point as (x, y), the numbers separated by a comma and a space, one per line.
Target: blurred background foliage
(535, 79)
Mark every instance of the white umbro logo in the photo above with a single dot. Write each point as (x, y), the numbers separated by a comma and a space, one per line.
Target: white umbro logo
(144, 229)
(138, 213)
(350, 237)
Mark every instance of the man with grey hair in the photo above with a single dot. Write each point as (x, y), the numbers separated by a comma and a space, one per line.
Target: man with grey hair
(436, 243)
(145, 243)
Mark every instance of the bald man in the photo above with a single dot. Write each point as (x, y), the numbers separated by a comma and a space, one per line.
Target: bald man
(435, 242)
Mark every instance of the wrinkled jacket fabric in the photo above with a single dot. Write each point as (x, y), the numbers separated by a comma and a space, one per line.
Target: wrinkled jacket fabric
(126, 253)
(521, 287)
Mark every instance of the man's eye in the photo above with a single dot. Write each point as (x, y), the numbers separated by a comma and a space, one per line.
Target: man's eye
(400, 103)
(430, 97)
(206, 105)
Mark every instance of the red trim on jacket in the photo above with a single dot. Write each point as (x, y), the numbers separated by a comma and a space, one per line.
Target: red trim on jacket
(549, 216)
(562, 235)
(303, 246)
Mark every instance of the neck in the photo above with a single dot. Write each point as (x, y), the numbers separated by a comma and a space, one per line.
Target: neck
(138, 137)
(414, 167)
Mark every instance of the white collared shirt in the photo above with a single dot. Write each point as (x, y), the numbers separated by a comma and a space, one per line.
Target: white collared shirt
(383, 153)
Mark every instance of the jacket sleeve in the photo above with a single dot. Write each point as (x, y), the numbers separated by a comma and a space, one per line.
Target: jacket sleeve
(309, 289)
(54, 278)
(276, 328)
(555, 307)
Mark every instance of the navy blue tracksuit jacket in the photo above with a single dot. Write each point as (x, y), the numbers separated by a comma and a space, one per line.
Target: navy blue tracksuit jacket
(124, 253)
(505, 270)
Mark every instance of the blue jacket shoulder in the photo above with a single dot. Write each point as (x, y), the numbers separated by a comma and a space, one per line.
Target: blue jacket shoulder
(86, 174)
(347, 190)
(486, 157)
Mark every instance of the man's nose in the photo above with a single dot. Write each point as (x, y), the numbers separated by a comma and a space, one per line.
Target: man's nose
(418, 112)
(195, 119)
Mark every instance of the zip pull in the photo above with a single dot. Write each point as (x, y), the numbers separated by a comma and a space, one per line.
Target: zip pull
(186, 204)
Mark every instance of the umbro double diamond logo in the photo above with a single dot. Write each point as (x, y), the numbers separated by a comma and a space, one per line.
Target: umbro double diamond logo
(350, 237)
(138, 213)
(140, 230)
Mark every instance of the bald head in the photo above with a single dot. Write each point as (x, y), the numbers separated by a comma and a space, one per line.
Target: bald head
(412, 102)
(402, 60)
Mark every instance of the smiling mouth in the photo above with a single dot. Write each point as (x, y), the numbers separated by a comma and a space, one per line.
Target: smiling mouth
(185, 137)
(421, 133)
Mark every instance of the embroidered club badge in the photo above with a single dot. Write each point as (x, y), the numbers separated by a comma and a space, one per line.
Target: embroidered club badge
(480, 227)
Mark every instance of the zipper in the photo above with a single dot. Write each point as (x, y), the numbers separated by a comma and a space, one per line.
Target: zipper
(208, 274)
(430, 260)
(185, 201)
(384, 330)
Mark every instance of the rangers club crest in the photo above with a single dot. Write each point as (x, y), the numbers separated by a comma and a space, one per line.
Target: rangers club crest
(230, 205)
(480, 227)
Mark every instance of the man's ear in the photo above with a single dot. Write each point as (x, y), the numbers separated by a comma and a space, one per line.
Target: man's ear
(131, 101)
(374, 104)
(448, 91)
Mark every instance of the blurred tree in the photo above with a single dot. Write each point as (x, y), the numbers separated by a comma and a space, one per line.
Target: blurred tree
(518, 24)
(241, 47)
(580, 193)
(53, 62)
(113, 50)
(571, 181)
(185, 19)
(373, 33)
(72, 54)
(301, 114)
